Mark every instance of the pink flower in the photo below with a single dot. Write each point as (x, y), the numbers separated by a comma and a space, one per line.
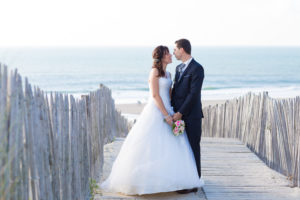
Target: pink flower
(178, 127)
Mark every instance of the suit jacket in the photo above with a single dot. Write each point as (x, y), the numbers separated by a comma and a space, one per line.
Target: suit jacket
(186, 92)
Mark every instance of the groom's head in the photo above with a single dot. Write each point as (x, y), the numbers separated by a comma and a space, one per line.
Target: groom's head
(182, 48)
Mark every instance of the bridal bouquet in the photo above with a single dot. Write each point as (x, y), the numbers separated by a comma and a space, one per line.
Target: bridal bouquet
(178, 127)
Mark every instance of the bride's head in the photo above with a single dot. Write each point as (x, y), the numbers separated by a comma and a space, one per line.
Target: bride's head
(161, 58)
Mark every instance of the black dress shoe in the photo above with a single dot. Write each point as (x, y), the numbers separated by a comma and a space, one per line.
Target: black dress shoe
(186, 191)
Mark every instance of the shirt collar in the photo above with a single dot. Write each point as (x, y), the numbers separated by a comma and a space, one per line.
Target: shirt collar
(188, 62)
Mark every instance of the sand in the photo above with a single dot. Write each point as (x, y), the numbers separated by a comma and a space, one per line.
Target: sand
(136, 108)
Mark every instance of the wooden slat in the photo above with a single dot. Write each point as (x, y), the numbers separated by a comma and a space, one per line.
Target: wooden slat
(51, 145)
(230, 171)
(269, 127)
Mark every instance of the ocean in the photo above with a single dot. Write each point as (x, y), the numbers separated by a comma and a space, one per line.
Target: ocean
(229, 71)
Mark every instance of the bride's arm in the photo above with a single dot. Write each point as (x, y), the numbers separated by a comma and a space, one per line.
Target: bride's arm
(170, 87)
(154, 86)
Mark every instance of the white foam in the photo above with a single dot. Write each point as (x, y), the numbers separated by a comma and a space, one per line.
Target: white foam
(274, 92)
(220, 94)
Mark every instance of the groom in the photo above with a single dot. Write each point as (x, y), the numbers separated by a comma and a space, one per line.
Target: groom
(186, 98)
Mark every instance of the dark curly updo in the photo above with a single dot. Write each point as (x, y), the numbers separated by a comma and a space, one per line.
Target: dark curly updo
(157, 55)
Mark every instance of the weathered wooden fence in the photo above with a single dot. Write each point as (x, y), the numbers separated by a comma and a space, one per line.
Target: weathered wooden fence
(51, 145)
(269, 127)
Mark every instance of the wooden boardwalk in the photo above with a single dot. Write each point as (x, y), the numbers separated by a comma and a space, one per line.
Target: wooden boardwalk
(230, 171)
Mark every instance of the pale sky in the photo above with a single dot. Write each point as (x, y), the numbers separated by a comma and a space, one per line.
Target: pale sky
(148, 22)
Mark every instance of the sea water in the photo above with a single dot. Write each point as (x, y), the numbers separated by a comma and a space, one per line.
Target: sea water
(229, 71)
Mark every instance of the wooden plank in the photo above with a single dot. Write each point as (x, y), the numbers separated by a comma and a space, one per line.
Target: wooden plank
(269, 127)
(230, 171)
(232, 176)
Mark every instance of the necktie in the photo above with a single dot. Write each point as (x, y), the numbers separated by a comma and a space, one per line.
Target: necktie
(181, 70)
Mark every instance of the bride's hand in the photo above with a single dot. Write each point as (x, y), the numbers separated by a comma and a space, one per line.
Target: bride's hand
(169, 120)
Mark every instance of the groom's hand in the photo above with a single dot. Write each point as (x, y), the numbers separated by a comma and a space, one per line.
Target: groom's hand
(177, 116)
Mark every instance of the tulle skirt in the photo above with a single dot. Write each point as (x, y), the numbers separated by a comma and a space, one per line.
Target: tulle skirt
(152, 159)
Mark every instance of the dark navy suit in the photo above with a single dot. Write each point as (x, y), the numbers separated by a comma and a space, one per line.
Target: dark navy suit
(186, 99)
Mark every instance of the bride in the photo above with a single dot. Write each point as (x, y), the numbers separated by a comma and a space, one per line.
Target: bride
(152, 159)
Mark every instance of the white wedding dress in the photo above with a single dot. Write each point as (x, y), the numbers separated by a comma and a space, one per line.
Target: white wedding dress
(152, 159)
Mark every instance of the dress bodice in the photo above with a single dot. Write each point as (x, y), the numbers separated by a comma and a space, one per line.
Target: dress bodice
(165, 84)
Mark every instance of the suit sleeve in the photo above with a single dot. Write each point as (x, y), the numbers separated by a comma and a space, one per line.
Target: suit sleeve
(196, 85)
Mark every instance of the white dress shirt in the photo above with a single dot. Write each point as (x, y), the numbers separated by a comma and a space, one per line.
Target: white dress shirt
(187, 64)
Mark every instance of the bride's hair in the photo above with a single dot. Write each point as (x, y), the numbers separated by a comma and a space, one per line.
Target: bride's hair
(157, 55)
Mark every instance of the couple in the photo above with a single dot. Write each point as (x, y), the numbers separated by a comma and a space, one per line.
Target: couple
(152, 159)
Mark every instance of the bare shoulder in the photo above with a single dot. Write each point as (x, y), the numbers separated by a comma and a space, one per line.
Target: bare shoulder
(154, 72)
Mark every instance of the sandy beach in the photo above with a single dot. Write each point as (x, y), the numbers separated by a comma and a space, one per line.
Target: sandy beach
(136, 108)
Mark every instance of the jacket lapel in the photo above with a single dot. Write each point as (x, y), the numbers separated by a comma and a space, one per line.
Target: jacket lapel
(185, 71)
(176, 76)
